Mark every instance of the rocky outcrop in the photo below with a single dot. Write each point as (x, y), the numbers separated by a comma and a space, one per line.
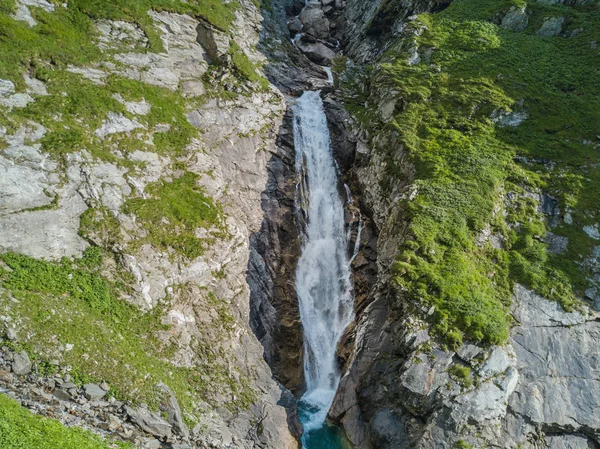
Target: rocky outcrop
(366, 29)
(275, 317)
(401, 387)
(44, 198)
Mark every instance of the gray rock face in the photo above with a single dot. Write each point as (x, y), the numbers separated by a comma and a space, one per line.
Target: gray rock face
(398, 390)
(317, 52)
(365, 27)
(558, 363)
(516, 19)
(41, 202)
(295, 26)
(551, 27)
(21, 364)
(215, 42)
(149, 422)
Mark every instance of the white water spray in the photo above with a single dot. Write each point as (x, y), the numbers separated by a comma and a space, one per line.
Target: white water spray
(323, 277)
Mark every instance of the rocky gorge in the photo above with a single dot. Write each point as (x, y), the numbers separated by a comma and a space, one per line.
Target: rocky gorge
(149, 226)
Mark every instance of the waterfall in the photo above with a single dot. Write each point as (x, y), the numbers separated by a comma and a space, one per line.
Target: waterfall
(323, 277)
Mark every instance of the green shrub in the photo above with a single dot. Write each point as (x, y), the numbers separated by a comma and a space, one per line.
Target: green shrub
(461, 374)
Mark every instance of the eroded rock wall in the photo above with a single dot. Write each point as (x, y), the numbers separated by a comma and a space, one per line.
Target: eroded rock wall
(401, 388)
(203, 300)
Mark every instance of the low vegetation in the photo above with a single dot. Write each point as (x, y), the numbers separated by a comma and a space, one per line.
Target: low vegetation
(71, 305)
(173, 213)
(474, 176)
(461, 374)
(20, 429)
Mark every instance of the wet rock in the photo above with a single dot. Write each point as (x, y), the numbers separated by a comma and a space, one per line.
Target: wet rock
(21, 364)
(295, 26)
(295, 7)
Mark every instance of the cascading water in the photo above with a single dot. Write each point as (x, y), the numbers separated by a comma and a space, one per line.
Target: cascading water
(323, 277)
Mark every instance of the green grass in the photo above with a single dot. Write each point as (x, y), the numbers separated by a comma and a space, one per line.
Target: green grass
(465, 163)
(462, 374)
(244, 67)
(71, 302)
(20, 429)
(63, 36)
(174, 212)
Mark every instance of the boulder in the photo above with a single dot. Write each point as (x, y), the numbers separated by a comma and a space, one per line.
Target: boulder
(295, 26)
(149, 422)
(315, 23)
(316, 52)
(21, 364)
(515, 19)
(11, 334)
(551, 27)
(93, 392)
(295, 7)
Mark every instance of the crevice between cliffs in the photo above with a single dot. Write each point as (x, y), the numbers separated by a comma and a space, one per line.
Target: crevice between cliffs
(276, 247)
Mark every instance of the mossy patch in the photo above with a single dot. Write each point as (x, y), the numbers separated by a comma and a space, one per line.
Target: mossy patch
(174, 212)
(461, 374)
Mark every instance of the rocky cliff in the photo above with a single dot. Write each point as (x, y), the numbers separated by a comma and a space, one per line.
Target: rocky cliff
(464, 136)
(136, 143)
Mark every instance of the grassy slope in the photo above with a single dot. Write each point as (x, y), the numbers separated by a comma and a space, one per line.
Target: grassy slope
(20, 429)
(465, 163)
(72, 303)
